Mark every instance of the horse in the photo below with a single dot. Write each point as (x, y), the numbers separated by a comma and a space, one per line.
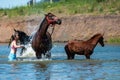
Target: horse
(83, 47)
(24, 39)
(42, 42)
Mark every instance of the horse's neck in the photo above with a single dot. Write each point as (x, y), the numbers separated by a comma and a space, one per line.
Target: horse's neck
(27, 38)
(94, 41)
(43, 28)
(24, 40)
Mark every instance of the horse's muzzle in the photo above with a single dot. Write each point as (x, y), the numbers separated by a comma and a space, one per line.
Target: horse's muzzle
(103, 45)
(58, 21)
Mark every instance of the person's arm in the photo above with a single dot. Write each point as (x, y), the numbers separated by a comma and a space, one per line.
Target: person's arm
(15, 45)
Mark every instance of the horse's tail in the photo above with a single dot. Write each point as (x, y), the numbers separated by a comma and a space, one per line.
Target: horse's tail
(66, 48)
(67, 51)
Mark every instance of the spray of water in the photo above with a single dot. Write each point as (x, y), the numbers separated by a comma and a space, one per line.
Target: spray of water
(29, 52)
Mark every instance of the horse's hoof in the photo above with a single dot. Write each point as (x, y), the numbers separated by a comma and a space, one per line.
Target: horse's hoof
(48, 55)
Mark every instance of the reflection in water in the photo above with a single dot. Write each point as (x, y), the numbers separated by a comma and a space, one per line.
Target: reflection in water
(74, 71)
(64, 70)
(41, 71)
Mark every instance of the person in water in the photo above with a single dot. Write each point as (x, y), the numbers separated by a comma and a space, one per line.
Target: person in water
(14, 46)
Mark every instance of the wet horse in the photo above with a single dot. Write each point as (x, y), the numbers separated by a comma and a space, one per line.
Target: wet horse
(24, 39)
(83, 47)
(42, 42)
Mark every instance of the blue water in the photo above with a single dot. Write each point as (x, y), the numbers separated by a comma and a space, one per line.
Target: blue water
(104, 65)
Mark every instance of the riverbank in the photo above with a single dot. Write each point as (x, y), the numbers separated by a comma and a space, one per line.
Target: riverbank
(80, 27)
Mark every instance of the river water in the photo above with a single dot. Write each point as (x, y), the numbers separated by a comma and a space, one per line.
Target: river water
(104, 65)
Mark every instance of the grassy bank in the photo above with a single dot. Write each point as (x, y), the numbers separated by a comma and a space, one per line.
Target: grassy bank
(69, 7)
(66, 7)
(114, 40)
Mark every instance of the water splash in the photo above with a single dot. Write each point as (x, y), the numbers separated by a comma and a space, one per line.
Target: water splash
(29, 52)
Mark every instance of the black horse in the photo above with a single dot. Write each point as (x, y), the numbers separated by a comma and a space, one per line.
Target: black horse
(24, 39)
(42, 42)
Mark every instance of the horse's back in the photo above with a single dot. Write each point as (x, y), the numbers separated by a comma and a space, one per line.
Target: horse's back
(76, 43)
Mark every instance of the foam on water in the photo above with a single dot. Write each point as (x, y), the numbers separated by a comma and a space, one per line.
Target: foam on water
(29, 55)
(33, 59)
(29, 52)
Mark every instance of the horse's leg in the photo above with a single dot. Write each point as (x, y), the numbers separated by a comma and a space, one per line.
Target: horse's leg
(38, 55)
(72, 55)
(48, 54)
(87, 55)
(22, 50)
(67, 52)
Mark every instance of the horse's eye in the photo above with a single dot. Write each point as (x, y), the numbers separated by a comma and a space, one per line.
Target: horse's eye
(51, 17)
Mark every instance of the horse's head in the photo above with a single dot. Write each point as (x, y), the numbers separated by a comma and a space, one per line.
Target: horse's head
(101, 40)
(23, 37)
(52, 19)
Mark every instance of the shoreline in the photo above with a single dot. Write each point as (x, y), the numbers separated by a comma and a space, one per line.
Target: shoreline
(63, 42)
(80, 27)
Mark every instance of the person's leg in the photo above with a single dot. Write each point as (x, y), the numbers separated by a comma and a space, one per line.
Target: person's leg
(12, 57)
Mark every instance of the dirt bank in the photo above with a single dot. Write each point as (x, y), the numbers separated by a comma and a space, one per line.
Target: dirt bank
(80, 27)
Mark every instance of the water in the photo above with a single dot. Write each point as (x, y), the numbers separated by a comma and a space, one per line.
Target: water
(104, 65)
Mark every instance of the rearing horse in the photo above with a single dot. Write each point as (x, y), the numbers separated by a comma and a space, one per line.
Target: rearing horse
(83, 47)
(42, 42)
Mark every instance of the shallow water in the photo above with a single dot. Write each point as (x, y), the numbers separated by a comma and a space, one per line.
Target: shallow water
(104, 65)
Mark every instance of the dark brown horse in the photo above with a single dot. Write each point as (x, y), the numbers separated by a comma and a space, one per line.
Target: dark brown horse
(83, 47)
(42, 42)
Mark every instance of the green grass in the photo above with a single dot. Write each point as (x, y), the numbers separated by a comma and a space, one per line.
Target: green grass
(114, 40)
(69, 7)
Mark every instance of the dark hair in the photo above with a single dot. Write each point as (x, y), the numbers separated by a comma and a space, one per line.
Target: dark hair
(11, 39)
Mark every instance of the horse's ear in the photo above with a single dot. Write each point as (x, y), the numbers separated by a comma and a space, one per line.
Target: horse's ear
(15, 30)
(49, 13)
(46, 14)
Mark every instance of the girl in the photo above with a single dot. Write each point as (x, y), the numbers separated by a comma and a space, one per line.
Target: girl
(14, 46)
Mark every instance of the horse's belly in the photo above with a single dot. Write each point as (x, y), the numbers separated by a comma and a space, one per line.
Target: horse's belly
(39, 43)
(79, 53)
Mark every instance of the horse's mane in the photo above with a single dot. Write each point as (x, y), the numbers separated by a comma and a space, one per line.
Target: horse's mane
(23, 37)
(21, 32)
(41, 23)
(98, 34)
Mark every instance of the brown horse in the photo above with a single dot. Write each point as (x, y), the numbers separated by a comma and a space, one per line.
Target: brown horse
(83, 47)
(42, 42)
